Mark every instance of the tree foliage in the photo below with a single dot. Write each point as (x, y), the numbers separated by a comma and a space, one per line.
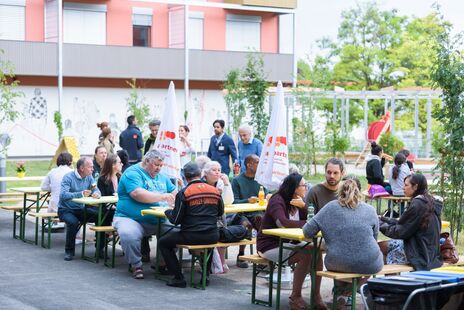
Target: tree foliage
(8, 91)
(235, 98)
(447, 74)
(136, 104)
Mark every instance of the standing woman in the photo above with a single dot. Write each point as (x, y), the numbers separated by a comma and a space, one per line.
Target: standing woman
(186, 146)
(101, 126)
(416, 235)
(280, 213)
(107, 140)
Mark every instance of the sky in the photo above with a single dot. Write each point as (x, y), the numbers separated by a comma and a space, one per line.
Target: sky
(316, 19)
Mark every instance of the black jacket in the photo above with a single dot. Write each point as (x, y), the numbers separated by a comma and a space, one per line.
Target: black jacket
(148, 144)
(422, 246)
(197, 208)
(374, 173)
(131, 140)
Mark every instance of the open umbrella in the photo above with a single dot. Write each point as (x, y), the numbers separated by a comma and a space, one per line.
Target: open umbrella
(273, 163)
(167, 140)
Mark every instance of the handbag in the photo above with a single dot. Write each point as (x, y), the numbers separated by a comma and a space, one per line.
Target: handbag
(448, 249)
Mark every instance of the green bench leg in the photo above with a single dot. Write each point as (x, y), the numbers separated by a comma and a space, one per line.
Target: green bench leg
(257, 271)
(354, 287)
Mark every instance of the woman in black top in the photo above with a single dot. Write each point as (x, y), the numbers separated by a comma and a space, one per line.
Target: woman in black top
(108, 183)
(374, 166)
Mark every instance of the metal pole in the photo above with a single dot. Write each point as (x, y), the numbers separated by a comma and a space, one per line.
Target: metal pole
(60, 54)
(416, 125)
(342, 115)
(392, 118)
(366, 107)
(334, 112)
(186, 57)
(2, 172)
(428, 145)
(295, 61)
(386, 106)
(347, 117)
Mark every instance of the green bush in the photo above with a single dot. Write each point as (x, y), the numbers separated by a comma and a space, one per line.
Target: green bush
(390, 143)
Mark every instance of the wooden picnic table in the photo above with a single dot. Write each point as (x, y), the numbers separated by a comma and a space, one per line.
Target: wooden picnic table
(295, 234)
(32, 196)
(98, 203)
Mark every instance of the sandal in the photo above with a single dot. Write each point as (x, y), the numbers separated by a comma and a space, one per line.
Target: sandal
(297, 304)
(137, 273)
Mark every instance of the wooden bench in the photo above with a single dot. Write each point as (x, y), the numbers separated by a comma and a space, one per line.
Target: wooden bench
(10, 194)
(354, 277)
(205, 256)
(2, 200)
(260, 264)
(48, 217)
(17, 217)
(106, 231)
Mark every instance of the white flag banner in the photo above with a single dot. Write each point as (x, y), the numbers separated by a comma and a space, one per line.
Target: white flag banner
(273, 163)
(167, 140)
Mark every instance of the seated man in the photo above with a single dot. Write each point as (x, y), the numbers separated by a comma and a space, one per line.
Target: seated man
(76, 184)
(246, 190)
(196, 209)
(141, 186)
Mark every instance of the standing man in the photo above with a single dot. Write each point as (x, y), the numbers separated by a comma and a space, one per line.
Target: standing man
(196, 209)
(247, 145)
(319, 195)
(221, 147)
(141, 186)
(154, 126)
(98, 160)
(76, 184)
(246, 190)
(131, 140)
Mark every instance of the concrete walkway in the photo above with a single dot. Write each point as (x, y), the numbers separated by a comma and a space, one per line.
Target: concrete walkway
(35, 278)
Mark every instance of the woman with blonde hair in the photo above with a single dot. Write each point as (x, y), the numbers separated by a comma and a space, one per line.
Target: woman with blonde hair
(349, 227)
(107, 140)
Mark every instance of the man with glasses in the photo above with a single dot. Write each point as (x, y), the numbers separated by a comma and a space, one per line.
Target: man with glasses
(141, 186)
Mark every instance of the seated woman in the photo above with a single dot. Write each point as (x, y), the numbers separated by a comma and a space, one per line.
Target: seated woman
(374, 165)
(108, 185)
(397, 174)
(280, 213)
(349, 227)
(416, 234)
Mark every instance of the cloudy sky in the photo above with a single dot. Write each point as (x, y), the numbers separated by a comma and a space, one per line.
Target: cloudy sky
(321, 18)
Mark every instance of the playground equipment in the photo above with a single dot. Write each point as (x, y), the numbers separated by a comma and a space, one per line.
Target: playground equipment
(376, 129)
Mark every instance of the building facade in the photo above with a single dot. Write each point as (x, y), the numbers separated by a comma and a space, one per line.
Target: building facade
(106, 43)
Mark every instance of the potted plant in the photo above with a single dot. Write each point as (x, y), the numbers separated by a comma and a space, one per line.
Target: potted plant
(20, 169)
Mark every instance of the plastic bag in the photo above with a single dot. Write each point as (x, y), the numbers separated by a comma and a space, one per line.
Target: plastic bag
(216, 265)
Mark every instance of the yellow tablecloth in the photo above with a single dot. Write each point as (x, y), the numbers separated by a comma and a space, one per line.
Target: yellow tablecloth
(96, 201)
(242, 207)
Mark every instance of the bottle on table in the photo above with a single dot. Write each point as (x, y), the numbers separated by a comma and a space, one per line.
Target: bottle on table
(310, 211)
(261, 199)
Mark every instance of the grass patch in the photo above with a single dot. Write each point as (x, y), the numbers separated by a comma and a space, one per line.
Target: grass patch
(33, 168)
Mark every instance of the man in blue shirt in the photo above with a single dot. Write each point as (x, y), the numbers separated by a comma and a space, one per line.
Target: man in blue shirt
(76, 184)
(141, 186)
(221, 147)
(131, 140)
(247, 145)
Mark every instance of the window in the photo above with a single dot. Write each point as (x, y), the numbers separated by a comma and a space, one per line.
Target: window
(12, 20)
(84, 23)
(195, 39)
(141, 26)
(243, 33)
(286, 34)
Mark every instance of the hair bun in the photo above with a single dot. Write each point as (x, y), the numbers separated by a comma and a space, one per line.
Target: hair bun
(373, 144)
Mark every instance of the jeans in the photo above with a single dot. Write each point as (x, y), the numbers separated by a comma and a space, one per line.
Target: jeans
(73, 218)
(169, 241)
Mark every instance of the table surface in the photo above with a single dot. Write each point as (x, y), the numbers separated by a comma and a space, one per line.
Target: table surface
(287, 233)
(96, 201)
(242, 207)
(30, 189)
(8, 179)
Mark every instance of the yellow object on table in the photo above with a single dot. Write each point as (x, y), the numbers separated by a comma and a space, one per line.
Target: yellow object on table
(452, 269)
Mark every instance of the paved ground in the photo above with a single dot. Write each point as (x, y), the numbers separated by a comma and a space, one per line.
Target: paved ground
(35, 278)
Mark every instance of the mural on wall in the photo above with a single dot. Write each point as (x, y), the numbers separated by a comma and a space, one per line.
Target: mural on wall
(85, 114)
(38, 106)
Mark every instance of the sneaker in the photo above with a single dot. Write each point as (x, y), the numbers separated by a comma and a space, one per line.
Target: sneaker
(137, 273)
(241, 264)
(78, 241)
(177, 283)
(68, 257)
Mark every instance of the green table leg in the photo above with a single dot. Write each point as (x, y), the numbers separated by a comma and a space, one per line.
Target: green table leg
(354, 287)
(314, 259)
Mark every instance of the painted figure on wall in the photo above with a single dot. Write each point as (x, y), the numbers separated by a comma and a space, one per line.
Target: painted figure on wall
(38, 106)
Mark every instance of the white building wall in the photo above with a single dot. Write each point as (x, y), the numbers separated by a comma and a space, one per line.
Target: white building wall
(35, 134)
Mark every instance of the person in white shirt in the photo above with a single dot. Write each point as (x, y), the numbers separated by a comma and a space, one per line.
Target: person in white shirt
(186, 146)
(52, 182)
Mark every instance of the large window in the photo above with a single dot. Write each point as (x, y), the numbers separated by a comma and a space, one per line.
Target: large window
(141, 26)
(243, 33)
(84, 23)
(12, 20)
(195, 27)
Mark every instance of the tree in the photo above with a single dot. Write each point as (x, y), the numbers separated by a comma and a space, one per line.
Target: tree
(447, 74)
(235, 98)
(8, 91)
(136, 104)
(255, 90)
